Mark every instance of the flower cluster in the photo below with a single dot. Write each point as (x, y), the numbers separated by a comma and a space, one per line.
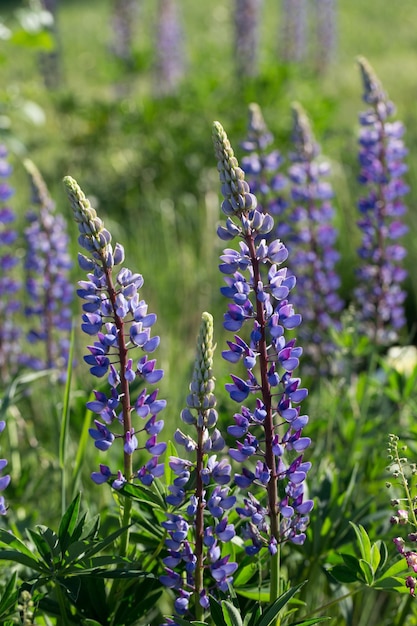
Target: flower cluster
(269, 432)
(261, 167)
(9, 285)
(170, 62)
(246, 18)
(405, 514)
(48, 287)
(196, 533)
(379, 297)
(115, 314)
(312, 242)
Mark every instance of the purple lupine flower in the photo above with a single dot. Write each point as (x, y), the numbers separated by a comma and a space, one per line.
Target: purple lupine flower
(312, 241)
(116, 315)
(170, 62)
(261, 167)
(9, 284)
(325, 17)
(194, 562)
(48, 287)
(379, 297)
(293, 35)
(246, 22)
(276, 413)
(124, 14)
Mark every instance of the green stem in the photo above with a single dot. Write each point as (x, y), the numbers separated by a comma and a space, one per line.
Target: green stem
(61, 601)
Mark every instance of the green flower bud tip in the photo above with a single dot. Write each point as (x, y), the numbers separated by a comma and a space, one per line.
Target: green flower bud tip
(256, 121)
(93, 234)
(373, 90)
(40, 192)
(303, 137)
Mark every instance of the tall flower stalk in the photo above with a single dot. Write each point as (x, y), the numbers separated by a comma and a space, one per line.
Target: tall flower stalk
(269, 429)
(379, 296)
(313, 239)
(115, 314)
(326, 33)
(9, 283)
(200, 495)
(48, 286)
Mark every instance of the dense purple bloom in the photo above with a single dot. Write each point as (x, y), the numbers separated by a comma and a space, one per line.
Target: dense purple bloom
(9, 284)
(246, 18)
(312, 241)
(379, 297)
(261, 167)
(170, 63)
(116, 315)
(49, 290)
(293, 39)
(199, 494)
(268, 359)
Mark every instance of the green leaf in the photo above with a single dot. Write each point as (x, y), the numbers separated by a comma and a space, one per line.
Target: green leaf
(389, 583)
(9, 598)
(184, 622)
(168, 473)
(68, 523)
(65, 416)
(397, 568)
(367, 572)
(231, 614)
(343, 574)
(272, 611)
(19, 557)
(364, 541)
(375, 556)
(310, 621)
(216, 612)
(254, 593)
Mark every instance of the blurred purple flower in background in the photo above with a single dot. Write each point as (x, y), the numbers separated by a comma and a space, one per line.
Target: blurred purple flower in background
(9, 283)
(123, 18)
(170, 55)
(269, 444)
(246, 23)
(293, 33)
(261, 167)
(49, 289)
(326, 33)
(312, 243)
(379, 297)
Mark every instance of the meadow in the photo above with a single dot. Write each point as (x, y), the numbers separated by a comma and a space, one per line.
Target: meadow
(76, 551)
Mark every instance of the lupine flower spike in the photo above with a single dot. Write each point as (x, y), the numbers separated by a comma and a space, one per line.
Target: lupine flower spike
(261, 167)
(247, 14)
(196, 562)
(269, 427)
(379, 297)
(404, 502)
(115, 314)
(9, 284)
(48, 286)
(313, 255)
